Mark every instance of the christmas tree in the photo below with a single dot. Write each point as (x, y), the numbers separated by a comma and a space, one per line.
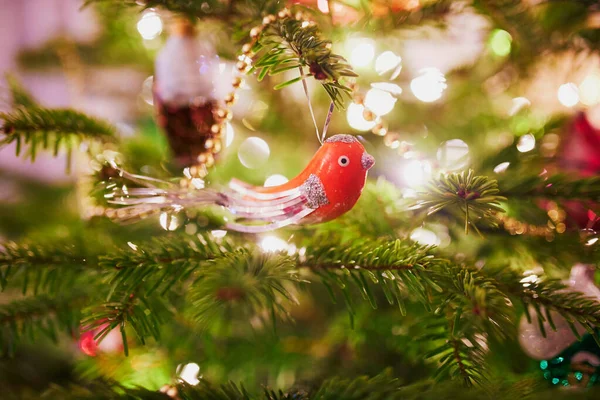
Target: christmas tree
(332, 199)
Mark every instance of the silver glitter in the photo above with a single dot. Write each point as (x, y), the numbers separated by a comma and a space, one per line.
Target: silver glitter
(342, 138)
(314, 191)
(367, 160)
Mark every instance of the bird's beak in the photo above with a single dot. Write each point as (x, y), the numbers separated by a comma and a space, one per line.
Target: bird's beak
(367, 160)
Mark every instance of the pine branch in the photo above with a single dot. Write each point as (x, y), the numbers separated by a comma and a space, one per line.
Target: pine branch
(42, 266)
(143, 315)
(42, 128)
(555, 187)
(243, 282)
(474, 196)
(24, 319)
(291, 44)
(575, 308)
(20, 96)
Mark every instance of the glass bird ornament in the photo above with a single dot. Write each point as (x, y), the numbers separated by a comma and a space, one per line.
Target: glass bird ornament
(328, 187)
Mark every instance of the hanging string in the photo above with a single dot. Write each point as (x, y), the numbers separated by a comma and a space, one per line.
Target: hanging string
(320, 137)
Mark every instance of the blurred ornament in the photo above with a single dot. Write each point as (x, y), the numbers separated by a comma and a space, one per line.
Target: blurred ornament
(184, 98)
(111, 343)
(564, 359)
(328, 187)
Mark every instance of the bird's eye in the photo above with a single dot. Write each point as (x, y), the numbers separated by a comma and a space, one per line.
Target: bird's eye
(344, 161)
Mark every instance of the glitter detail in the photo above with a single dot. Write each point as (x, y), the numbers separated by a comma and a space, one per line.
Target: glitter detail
(342, 138)
(314, 192)
(367, 160)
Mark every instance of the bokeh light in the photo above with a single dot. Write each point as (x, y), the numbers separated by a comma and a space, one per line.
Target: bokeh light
(356, 119)
(253, 152)
(379, 101)
(568, 94)
(518, 104)
(500, 42)
(189, 373)
(229, 134)
(392, 88)
(416, 173)
(147, 94)
(362, 52)
(453, 154)
(502, 167)
(589, 90)
(272, 244)
(275, 180)
(425, 237)
(386, 62)
(429, 86)
(526, 143)
(150, 25)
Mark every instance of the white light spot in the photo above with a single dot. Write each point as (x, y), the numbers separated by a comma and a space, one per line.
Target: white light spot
(416, 173)
(379, 102)
(189, 373)
(356, 118)
(197, 183)
(147, 94)
(502, 167)
(591, 241)
(229, 134)
(386, 62)
(589, 90)
(528, 280)
(453, 154)
(253, 152)
(518, 103)
(568, 94)
(168, 221)
(275, 180)
(218, 233)
(132, 245)
(271, 244)
(429, 86)
(425, 237)
(388, 87)
(150, 25)
(323, 6)
(362, 52)
(526, 143)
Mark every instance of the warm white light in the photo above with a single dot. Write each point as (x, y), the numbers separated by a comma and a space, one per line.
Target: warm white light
(425, 237)
(150, 25)
(253, 152)
(271, 244)
(502, 167)
(526, 143)
(416, 173)
(429, 86)
(218, 233)
(388, 87)
(189, 373)
(147, 94)
(275, 180)
(386, 62)
(568, 94)
(453, 154)
(591, 241)
(519, 103)
(379, 101)
(323, 6)
(356, 119)
(528, 280)
(362, 52)
(589, 90)
(229, 134)
(168, 221)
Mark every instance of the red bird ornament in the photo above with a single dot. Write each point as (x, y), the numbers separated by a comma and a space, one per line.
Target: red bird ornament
(328, 187)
